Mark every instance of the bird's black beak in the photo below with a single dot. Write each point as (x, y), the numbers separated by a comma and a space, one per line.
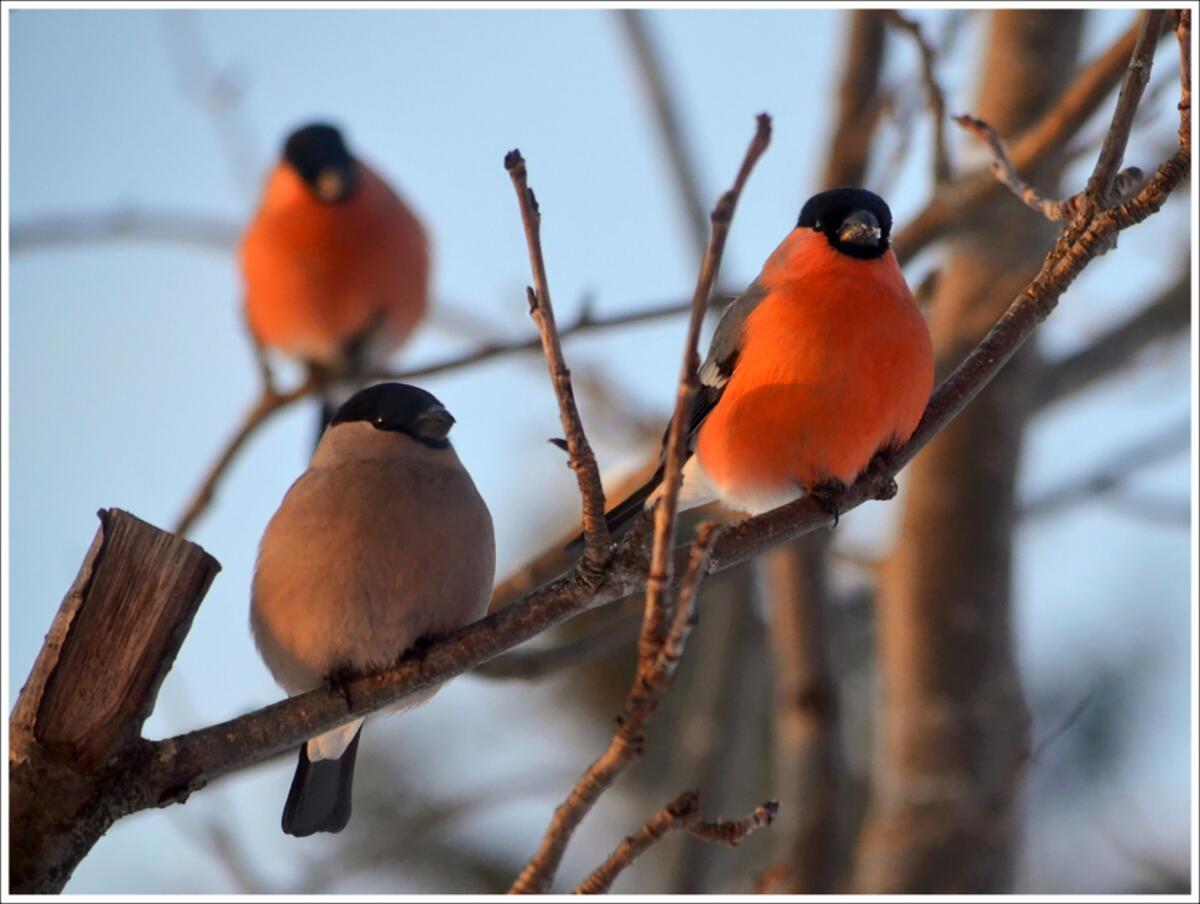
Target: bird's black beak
(434, 423)
(861, 228)
(335, 184)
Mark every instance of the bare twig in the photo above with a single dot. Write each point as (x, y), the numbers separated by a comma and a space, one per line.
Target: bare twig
(681, 813)
(158, 773)
(272, 402)
(652, 679)
(173, 227)
(1055, 211)
(1167, 315)
(1113, 472)
(215, 93)
(659, 646)
(1076, 105)
(582, 459)
(534, 664)
(1100, 187)
(654, 81)
(936, 97)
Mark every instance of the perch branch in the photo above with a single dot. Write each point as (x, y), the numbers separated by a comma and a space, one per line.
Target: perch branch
(158, 773)
(681, 813)
(582, 459)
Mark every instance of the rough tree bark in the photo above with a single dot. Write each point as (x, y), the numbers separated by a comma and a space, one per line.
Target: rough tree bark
(92, 687)
(954, 722)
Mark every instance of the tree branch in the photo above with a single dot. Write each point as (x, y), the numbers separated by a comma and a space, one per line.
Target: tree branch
(582, 459)
(152, 774)
(935, 96)
(664, 633)
(654, 81)
(271, 402)
(1076, 105)
(681, 813)
(1168, 314)
(173, 227)
(1055, 211)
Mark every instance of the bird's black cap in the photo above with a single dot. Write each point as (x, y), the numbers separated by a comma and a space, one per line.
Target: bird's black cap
(318, 150)
(856, 222)
(399, 408)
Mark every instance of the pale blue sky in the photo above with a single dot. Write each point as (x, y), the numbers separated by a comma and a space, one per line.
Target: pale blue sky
(129, 366)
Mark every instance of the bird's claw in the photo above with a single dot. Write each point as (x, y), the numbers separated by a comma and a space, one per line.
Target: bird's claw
(825, 496)
(339, 680)
(886, 489)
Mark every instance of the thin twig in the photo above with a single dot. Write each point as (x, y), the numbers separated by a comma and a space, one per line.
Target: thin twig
(271, 402)
(534, 664)
(1100, 187)
(158, 773)
(659, 647)
(1055, 211)
(158, 224)
(654, 81)
(582, 459)
(1076, 105)
(651, 681)
(935, 96)
(681, 813)
(1167, 315)
(217, 94)
(1113, 472)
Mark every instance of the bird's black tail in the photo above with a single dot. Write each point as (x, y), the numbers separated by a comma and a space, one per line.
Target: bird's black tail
(622, 513)
(319, 799)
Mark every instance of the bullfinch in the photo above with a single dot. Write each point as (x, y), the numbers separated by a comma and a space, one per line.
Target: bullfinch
(335, 264)
(821, 363)
(384, 539)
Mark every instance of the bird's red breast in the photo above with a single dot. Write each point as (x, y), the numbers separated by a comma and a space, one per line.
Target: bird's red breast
(836, 362)
(319, 276)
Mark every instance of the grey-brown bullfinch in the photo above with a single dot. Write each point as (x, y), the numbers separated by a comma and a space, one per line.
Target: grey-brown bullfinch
(384, 539)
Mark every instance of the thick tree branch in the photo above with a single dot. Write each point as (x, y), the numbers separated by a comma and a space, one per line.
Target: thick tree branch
(582, 459)
(683, 813)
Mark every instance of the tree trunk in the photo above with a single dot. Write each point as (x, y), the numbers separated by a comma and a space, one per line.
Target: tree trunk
(954, 724)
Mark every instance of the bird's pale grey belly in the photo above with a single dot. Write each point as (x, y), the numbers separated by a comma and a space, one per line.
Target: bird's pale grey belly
(363, 577)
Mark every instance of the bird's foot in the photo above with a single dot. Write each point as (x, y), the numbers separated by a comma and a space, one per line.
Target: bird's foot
(883, 482)
(825, 496)
(339, 680)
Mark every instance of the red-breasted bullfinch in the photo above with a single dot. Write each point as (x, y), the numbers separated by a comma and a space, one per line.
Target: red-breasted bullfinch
(384, 539)
(336, 266)
(821, 363)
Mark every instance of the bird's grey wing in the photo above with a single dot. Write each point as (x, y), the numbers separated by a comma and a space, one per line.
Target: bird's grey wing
(722, 357)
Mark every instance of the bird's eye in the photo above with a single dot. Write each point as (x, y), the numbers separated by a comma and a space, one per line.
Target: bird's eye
(818, 225)
(379, 420)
